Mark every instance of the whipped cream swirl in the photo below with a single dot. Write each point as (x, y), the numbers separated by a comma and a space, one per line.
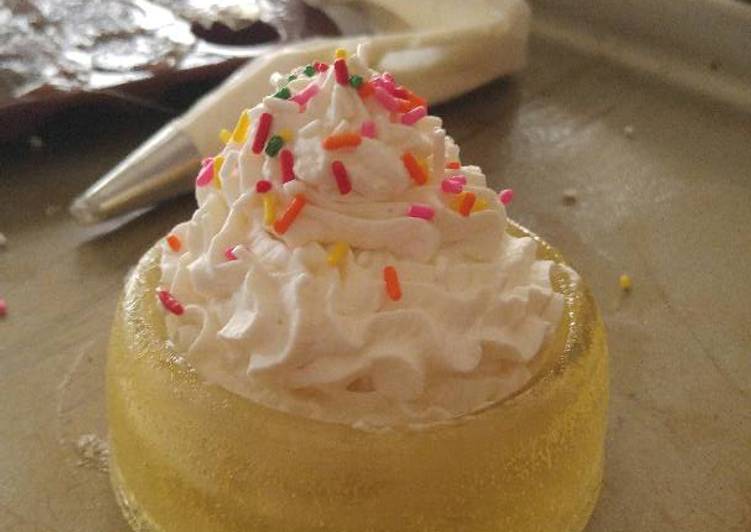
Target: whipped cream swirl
(267, 315)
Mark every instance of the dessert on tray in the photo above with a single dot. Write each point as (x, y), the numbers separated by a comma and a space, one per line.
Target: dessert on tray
(350, 335)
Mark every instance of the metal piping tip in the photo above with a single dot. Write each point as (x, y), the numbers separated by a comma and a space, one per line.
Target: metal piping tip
(161, 168)
(82, 211)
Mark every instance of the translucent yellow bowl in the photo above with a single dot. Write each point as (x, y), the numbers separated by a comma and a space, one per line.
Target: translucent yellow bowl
(187, 456)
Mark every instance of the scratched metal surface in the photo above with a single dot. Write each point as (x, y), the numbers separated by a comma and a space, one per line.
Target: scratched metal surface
(667, 204)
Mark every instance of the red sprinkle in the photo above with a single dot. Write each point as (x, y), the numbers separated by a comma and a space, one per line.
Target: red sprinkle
(3, 308)
(320, 67)
(170, 303)
(392, 283)
(174, 242)
(287, 163)
(263, 186)
(342, 177)
(262, 133)
(454, 165)
(341, 71)
(289, 215)
(230, 253)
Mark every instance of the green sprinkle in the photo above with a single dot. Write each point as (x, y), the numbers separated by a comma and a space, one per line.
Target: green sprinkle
(355, 81)
(310, 71)
(291, 77)
(283, 94)
(274, 145)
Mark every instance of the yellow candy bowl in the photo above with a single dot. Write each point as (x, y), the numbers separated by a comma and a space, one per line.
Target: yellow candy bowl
(188, 456)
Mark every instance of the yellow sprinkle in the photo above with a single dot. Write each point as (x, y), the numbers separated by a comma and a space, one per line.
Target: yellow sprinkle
(286, 135)
(340, 53)
(625, 282)
(241, 128)
(216, 180)
(480, 205)
(225, 135)
(337, 253)
(269, 209)
(424, 165)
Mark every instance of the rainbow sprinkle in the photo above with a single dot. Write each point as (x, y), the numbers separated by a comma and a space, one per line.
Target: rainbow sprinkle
(170, 303)
(173, 241)
(368, 129)
(283, 93)
(480, 205)
(217, 166)
(341, 71)
(290, 214)
(337, 253)
(418, 210)
(453, 165)
(287, 164)
(355, 81)
(450, 186)
(342, 140)
(625, 282)
(206, 174)
(263, 186)
(241, 128)
(391, 279)
(342, 177)
(275, 144)
(309, 71)
(269, 209)
(459, 178)
(366, 90)
(466, 203)
(225, 135)
(229, 253)
(262, 132)
(505, 196)
(320, 67)
(340, 53)
(306, 94)
(3, 308)
(416, 170)
(410, 117)
(385, 99)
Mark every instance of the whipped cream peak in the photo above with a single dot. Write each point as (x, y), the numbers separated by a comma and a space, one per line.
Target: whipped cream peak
(343, 265)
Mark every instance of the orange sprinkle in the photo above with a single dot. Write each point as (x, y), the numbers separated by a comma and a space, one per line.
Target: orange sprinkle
(342, 140)
(366, 89)
(392, 283)
(417, 101)
(289, 215)
(468, 201)
(174, 242)
(415, 169)
(404, 105)
(454, 165)
(414, 100)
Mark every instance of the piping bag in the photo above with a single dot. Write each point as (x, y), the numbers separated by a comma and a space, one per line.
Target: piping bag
(439, 49)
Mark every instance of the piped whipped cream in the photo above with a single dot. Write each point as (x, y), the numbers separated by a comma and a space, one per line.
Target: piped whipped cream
(298, 316)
